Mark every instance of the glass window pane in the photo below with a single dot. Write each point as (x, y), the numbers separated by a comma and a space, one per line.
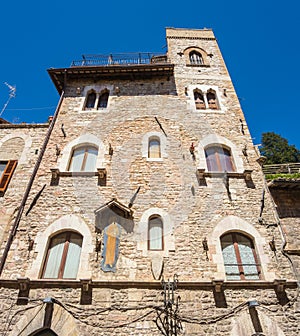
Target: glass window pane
(103, 99)
(2, 168)
(225, 159)
(91, 158)
(230, 260)
(90, 101)
(211, 159)
(247, 257)
(54, 257)
(155, 234)
(73, 257)
(77, 159)
(154, 148)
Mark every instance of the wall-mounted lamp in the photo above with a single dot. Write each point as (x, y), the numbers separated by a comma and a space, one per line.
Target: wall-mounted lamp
(225, 92)
(242, 126)
(78, 90)
(186, 91)
(244, 150)
(117, 90)
(63, 130)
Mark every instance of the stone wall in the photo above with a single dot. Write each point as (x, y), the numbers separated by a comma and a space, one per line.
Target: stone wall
(192, 208)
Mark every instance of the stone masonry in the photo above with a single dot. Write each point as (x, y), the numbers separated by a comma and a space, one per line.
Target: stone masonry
(195, 205)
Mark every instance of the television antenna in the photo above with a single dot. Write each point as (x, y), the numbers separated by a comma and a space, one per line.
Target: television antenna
(12, 94)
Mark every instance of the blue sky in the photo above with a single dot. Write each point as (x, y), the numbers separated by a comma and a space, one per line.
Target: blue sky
(258, 39)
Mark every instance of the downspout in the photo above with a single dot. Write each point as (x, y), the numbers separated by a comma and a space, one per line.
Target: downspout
(283, 236)
(30, 183)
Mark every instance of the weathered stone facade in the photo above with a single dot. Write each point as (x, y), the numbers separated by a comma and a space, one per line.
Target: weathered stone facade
(195, 205)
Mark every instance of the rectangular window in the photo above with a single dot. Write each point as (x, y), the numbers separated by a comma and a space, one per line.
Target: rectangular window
(6, 171)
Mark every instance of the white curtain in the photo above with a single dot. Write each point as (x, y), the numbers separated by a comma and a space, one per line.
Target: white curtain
(155, 234)
(154, 148)
(77, 159)
(54, 257)
(90, 164)
(73, 257)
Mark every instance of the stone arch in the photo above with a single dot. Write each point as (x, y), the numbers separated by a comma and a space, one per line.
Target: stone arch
(24, 142)
(215, 139)
(85, 139)
(197, 49)
(60, 322)
(236, 224)
(64, 223)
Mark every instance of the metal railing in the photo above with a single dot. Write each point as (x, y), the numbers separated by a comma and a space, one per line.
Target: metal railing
(283, 168)
(121, 59)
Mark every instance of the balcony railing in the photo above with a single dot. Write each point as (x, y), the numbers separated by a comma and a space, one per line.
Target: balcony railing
(120, 59)
(284, 168)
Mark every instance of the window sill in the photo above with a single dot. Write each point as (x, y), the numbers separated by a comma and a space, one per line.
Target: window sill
(210, 111)
(56, 174)
(155, 159)
(198, 65)
(246, 174)
(102, 109)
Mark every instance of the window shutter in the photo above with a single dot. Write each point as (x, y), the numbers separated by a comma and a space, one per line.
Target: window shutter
(7, 174)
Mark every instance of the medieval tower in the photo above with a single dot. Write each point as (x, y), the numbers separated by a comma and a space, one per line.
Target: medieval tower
(145, 210)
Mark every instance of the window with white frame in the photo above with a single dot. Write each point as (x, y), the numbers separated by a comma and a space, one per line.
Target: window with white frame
(240, 258)
(219, 159)
(83, 159)
(154, 151)
(155, 233)
(63, 256)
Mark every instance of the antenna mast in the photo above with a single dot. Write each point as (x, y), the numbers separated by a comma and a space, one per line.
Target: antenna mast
(12, 94)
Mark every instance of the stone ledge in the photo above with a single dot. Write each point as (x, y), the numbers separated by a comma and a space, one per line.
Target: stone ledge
(191, 285)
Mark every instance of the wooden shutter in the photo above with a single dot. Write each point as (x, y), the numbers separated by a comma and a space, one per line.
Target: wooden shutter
(7, 174)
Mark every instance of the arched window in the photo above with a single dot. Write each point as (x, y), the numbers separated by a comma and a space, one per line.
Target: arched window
(199, 100)
(219, 159)
(155, 233)
(83, 159)
(63, 256)
(154, 148)
(103, 100)
(212, 100)
(90, 101)
(240, 259)
(195, 58)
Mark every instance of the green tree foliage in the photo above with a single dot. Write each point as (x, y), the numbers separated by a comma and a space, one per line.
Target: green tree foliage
(277, 149)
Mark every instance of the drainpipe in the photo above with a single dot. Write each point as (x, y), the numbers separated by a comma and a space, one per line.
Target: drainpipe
(283, 236)
(30, 183)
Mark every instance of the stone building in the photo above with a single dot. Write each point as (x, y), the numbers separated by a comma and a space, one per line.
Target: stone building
(145, 213)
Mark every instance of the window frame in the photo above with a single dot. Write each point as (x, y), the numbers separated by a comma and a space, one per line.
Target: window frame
(85, 157)
(153, 217)
(200, 105)
(10, 166)
(215, 104)
(237, 252)
(196, 58)
(62, 263)
(101, 94)
(157, 139)
(217, 158)
(86, 108)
